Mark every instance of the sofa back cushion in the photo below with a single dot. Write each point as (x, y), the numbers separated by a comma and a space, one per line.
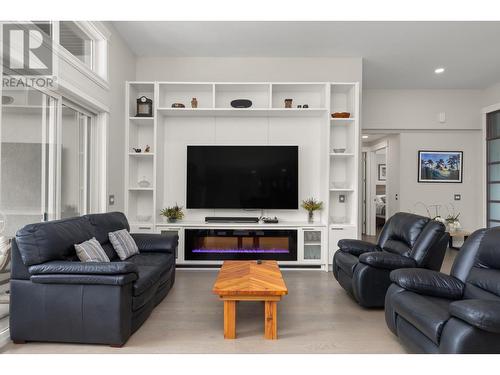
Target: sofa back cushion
(430, 245)
(401, 232)
(52, 240)
(104, 224)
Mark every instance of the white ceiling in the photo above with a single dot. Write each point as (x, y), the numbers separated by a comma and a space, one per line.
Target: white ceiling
(395, 54)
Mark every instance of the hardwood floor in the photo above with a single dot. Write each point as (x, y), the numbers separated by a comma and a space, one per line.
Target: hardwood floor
(316, 316)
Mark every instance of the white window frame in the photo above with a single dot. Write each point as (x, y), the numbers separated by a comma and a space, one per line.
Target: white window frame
(99, 35)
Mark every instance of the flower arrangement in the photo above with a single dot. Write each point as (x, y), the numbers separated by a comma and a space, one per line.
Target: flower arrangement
(311, 205)
(173, 213)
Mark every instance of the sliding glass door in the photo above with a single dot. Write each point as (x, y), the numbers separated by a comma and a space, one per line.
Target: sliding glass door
(493, 168)
(28, 158)
(75, 134)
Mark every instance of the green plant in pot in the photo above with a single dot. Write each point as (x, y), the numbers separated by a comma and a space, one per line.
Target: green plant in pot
(311, 205)
(173, 213)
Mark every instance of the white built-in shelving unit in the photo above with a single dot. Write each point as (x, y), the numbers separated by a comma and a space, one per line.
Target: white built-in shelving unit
(323, 173)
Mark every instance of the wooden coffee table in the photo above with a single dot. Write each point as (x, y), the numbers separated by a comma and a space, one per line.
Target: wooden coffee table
(249, 281)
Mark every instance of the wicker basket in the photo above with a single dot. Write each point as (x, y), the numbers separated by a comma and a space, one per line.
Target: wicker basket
(341, 115)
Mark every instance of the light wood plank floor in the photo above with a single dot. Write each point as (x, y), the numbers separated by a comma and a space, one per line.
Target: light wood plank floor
(317, 316)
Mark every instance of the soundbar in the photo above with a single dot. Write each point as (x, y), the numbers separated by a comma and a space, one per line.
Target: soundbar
(231, 219)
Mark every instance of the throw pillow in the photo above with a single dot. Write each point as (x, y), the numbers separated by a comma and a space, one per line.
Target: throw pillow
(91, 251)
(123, 243)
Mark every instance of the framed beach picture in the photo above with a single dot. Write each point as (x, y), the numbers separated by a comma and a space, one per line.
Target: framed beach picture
(382, 172)
(440, 166)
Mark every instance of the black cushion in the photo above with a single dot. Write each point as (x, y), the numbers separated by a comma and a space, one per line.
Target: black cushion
(427, 314)
(156, 242)
(105, 223)
(52, 240)
(357, 247)
(386, 260)
(148, 276)
(97, 268)
(402, 227)
(89, 279)
(397, 247)
(428, 282)
(484, 314)
(345, 261)
(162, 260)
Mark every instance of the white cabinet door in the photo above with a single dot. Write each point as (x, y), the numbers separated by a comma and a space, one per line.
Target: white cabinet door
(337, 233)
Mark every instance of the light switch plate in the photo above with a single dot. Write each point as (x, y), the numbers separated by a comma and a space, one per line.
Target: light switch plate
(111, 200)
(342, 198)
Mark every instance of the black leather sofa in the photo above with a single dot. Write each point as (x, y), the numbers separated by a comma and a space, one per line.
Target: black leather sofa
(55, 297)
(407, 240)
(432, 312)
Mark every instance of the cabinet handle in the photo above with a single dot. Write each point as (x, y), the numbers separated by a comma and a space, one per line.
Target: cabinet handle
(144, 227)
(337, 228)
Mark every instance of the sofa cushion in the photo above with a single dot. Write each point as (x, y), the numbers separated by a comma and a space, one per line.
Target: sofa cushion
(148, 276)
(163, 260)
(140, 300)
(346, 262)
(91, 251)
(427, 314)
(123, 243)
(105, 223)
(52, 240)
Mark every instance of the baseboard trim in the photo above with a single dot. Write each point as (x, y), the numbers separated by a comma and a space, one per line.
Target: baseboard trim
(4, 338)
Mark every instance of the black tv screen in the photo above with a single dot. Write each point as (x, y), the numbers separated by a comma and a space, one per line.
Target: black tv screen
(248, 177)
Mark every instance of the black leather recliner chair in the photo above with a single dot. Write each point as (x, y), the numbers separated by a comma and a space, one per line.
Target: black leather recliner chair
(432, 312)
(55, 297)
(407, 240)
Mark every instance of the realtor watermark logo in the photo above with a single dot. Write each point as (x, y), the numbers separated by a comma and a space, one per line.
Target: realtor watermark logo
(28, 57)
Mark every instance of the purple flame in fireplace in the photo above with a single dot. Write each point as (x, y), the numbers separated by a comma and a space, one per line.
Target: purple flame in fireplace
(239, 251)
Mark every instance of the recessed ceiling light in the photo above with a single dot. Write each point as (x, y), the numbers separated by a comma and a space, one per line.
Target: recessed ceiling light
(439, 70)
(364, 136)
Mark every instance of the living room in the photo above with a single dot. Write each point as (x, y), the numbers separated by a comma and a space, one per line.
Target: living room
(250, 185)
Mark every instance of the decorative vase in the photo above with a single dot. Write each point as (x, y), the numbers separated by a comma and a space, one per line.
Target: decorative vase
(310, 217)
(171, 219)
(194, 103)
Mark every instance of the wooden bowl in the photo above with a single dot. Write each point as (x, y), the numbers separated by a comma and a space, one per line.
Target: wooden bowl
(341, 115)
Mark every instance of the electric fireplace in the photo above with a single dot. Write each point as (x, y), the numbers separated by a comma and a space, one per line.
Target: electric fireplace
(237, 244)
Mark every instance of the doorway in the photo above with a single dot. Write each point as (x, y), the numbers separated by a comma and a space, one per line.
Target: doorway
(375, 203)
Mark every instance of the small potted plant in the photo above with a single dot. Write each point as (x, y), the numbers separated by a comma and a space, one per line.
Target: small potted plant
(452, 222)
(173, 213)
(311, 205)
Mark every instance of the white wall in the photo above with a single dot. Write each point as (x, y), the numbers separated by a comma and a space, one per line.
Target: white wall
(413, 116)
(419, 109)
(249, 69)
(121, 68)
(491, 95)
(411, 192)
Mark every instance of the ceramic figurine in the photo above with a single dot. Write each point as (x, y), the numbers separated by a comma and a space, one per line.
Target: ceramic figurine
(147, 149)
(288, 103)
(194, 103)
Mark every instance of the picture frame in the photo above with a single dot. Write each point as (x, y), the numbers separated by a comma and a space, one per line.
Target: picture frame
(440, 166)
(382, 172)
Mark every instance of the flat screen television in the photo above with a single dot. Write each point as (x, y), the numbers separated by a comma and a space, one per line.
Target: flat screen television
(245, 177)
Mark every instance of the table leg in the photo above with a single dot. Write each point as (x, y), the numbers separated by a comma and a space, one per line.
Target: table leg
(271, 320)
(229, 319)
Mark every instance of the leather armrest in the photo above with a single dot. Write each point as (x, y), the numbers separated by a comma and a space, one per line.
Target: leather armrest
(388, 261)
(83, 268)
(483, 314)
(147, 242)
(357, 247)
(84, 279)
(431, 283)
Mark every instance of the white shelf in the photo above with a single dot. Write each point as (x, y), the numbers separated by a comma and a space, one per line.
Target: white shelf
(242, 112)
(343, 121)
(141, 154)
(202, 224)
(142, 120)
(341, 154)
(141, 189)
(347, 190)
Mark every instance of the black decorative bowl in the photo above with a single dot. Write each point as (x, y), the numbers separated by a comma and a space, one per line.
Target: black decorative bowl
(241, 103)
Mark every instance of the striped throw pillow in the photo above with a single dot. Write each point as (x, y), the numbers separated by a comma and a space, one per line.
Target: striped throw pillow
(91, 251)
(123, 243)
